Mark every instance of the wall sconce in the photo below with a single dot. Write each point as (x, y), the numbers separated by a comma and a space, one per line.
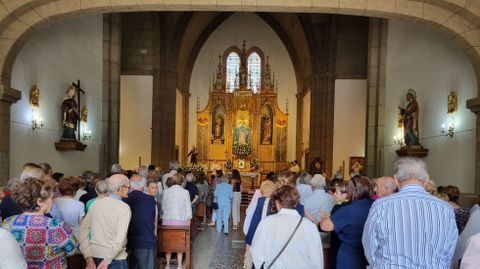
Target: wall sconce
(87, 134)
(37, 121)
(399, 140)
(449, 130)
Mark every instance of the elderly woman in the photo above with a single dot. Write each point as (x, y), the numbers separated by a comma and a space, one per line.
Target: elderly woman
(176, 207)
(72, 210)
(294, 244)
(37, 234)
(223, 195)
(264, 206)
(348, 222)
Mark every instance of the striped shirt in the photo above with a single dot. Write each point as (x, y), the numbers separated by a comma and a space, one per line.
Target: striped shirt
(410, 229)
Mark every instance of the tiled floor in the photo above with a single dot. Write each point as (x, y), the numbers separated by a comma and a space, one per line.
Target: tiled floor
(212, 250)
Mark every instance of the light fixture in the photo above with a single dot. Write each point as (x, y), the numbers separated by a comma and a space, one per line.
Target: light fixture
(86, 133)
(449, 130)
(398, 140)
(37, 120)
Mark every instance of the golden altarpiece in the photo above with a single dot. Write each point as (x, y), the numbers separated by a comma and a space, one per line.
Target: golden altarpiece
(242, 125)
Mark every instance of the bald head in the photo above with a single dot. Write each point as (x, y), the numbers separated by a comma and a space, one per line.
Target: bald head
(385, 186)
(115, 184)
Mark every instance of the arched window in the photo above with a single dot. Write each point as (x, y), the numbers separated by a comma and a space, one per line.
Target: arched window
(232, 71)
(254, 64)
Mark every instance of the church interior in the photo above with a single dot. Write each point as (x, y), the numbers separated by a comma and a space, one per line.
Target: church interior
(340, 88)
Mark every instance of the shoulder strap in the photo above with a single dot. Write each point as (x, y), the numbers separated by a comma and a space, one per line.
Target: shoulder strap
(285, 246)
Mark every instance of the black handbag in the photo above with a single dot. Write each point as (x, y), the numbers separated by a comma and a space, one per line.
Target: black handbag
(285, 246)
(214, 205)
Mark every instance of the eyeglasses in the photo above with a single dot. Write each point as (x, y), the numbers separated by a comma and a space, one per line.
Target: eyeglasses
(128, 187)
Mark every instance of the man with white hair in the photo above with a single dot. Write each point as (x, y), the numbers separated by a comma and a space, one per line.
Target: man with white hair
(385, 186)
(411, 228)
(103, 232)
(319, 199)
(141, 231)
(174, 165)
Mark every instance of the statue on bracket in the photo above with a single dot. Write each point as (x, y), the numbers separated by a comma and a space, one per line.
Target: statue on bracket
(70, 118)
(410, 119)
(70, 114)
(411, 136)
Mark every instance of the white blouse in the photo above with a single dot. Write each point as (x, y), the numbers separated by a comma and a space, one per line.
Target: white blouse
(176, 204)
(303, 251)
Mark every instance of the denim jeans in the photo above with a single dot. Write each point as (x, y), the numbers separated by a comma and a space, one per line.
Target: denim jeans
(115, 264)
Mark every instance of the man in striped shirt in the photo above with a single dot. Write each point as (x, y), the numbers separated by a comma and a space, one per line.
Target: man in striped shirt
(410, 229)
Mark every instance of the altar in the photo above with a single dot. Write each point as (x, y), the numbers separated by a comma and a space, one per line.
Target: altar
(242, 126)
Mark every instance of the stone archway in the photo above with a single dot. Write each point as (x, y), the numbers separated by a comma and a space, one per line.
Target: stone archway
(458, 20)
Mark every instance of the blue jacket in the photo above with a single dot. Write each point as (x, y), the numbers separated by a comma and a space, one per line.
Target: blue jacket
(224, 194)
(141, 231)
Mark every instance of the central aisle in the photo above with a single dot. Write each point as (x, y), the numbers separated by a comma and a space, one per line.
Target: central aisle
(212, 250)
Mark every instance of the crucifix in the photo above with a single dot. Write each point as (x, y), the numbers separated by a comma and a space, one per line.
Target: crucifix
(77, 86)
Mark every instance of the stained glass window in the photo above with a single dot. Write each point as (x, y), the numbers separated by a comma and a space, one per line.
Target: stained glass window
(232, 70)
(254, 69)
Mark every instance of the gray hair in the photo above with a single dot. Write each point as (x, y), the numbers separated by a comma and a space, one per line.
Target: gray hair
(224, 179)
(410, 168)
(143, 171)
(174, 165)
(12, 183)
(137, 184)
(115, 182)
(101, 187)
(116, 168)
(190, 177)
(31, 172)
(304, 178)
(318, 182)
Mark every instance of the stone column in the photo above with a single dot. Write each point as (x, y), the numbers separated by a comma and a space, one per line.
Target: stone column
(110, 92)
(186, 111)
(474, 106)
(377, 53)
(8, 97)
(321, 119)
(299, 128)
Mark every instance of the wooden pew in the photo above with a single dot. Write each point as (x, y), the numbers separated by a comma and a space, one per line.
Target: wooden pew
(174, 239)
(326, 254)
(201, 214)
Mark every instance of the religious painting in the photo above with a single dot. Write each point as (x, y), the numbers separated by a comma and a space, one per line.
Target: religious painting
(266, 130)
(281, 144)
(218, 125)
(242, 131)
(356, 165)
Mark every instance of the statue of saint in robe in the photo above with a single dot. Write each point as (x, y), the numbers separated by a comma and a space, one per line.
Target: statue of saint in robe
(410, 119)
(70, 115)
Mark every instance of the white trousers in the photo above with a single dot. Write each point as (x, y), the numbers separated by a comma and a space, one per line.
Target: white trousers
(237, 200)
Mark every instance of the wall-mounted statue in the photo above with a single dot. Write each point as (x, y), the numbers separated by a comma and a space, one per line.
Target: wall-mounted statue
(452, 102)
(410, 128)
(70, 115)
(410, 119)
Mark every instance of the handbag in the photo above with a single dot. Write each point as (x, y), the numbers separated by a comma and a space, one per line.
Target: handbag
(215, 205)
(284, 247)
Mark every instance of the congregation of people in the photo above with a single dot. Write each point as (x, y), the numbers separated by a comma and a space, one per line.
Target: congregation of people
(398, 221)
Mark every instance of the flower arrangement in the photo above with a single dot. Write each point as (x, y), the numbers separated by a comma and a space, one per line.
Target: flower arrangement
(254, 165)
(241, 150)
(229, 165)
(195, 168)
